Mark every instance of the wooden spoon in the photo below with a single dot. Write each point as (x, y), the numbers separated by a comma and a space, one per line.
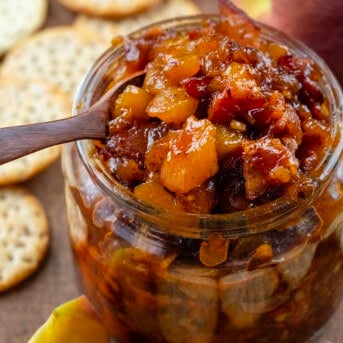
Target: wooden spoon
(17, 141)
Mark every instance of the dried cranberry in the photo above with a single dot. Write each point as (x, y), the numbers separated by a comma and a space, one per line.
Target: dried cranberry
(197, 87)
(194, 34)
(311, 89)
(309, 162)
(311, 96)
(287, 61)
(317, 112)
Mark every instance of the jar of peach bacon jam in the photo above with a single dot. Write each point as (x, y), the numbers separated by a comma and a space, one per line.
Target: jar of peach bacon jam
(212, 213)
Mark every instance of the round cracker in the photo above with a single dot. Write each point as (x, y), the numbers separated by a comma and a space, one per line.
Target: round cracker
(24, 235)
(107, 29)
(109, 8)
(22, 103)
(18, 19)
(60, 55)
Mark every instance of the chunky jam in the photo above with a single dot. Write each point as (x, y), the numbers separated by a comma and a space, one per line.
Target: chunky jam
(225, 119)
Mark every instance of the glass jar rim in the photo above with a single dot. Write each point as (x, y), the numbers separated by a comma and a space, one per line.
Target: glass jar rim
(259, 218)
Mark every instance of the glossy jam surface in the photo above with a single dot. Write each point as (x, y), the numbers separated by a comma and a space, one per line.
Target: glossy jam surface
(221, 123)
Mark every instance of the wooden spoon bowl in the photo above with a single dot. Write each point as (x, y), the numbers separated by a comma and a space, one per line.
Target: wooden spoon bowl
(17, 141)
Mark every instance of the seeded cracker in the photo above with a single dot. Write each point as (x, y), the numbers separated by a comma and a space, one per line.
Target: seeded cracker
(19, 18)
(108, 28)
(24, 236)
(59, 55)
(24, 103)
(109, 8)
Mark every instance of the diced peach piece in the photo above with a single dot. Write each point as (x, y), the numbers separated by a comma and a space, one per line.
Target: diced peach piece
(276, 50)
(154, 193)
(181, 67)
(192, 158)
(170, 46)
(155, 80)
(217, 84)
(316, 129)
(172, 105)
(128, 170)
(207, 44)
(242, 85)
(267, 162)
(228, 140)
(134, 100)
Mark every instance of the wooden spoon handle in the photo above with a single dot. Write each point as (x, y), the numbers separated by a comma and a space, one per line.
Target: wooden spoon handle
(18, 141)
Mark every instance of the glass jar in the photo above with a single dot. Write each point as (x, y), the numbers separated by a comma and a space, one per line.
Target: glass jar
(140, 264)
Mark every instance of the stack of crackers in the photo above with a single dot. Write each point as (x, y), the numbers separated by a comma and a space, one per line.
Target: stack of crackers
(39, 76)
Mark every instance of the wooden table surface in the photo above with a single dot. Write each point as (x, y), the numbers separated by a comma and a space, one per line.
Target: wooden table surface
(24, 308)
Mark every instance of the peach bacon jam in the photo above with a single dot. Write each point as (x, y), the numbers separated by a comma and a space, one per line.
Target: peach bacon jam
(212, 213)
(225, 120)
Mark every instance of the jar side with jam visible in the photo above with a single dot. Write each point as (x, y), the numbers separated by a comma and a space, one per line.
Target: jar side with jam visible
(151, 287)
(148, 281)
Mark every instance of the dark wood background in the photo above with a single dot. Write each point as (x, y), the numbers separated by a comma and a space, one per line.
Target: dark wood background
(24, 308)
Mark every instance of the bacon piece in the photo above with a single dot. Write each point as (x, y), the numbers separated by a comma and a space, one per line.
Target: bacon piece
(266, 163)
(241, 27)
